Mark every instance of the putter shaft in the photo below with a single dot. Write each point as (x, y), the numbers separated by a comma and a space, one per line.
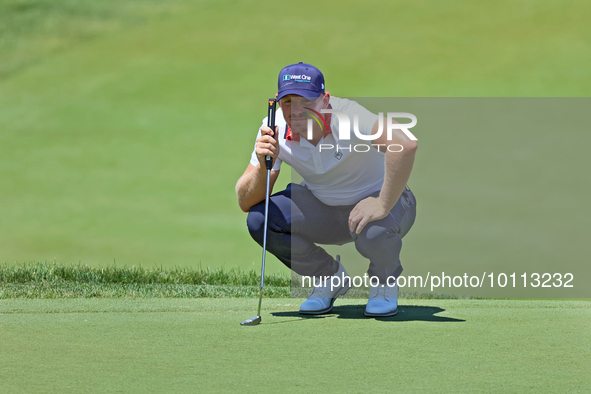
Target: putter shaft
(269, 165)
(264, 240)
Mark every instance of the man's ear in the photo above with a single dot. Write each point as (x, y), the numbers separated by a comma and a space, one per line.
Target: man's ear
(326, 99)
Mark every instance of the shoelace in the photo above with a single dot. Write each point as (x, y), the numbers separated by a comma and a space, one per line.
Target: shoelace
(319, 288)
(314, 289)
(381, 290)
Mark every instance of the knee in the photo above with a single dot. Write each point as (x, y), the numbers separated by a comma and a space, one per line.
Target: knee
(377, 238)
(256, 222)
(279, 220)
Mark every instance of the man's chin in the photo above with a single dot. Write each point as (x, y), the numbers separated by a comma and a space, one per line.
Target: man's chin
(302, 134)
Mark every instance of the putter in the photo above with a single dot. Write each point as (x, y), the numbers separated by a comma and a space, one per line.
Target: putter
(269, 164)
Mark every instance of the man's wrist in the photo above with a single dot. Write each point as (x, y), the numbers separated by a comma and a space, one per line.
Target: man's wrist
(262, 167)
(384, 204)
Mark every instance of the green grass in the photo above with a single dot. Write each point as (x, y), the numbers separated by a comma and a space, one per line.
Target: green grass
(52, 272)
(114, 115)
(53, 280)
(187, 346)
(34, 30)
(70, 290)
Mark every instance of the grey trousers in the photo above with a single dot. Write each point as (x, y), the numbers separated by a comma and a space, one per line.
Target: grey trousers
(298, 222)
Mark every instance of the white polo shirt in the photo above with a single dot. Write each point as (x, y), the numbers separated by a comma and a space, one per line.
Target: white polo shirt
(342, 175)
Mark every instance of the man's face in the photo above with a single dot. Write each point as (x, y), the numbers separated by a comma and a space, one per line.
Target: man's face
(295, 113)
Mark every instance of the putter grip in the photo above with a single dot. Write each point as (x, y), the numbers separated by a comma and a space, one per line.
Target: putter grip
(271, 125)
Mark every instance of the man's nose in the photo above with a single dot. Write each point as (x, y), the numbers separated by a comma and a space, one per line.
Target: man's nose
(297, 107)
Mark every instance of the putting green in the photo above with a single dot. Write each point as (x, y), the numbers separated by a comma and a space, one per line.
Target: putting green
(198, 345)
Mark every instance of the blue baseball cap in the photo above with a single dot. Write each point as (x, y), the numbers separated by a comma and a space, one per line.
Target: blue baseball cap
(302, 79)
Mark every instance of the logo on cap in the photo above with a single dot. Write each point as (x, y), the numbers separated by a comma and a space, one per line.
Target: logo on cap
(297, 78)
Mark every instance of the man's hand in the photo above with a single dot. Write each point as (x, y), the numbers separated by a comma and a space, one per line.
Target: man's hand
(366, 210)
(267, 145)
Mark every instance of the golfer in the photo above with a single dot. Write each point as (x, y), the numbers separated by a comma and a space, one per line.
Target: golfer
(354, 190)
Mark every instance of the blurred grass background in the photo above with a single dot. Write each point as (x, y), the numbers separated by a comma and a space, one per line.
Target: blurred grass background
(124, 125)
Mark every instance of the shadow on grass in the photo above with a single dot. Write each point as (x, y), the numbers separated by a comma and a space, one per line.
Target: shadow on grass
(405, 313)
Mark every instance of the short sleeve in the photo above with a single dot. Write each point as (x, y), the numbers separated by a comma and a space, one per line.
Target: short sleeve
(253, 157)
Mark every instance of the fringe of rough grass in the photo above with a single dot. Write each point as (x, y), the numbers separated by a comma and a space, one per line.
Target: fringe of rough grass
(44, 290)
(54, 280)
(49, 272)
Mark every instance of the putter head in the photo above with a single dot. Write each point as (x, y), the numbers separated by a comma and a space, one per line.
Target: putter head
(251, 322)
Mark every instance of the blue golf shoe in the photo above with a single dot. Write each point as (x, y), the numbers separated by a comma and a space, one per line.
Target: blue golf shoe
(322, 298)
(383, 301)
